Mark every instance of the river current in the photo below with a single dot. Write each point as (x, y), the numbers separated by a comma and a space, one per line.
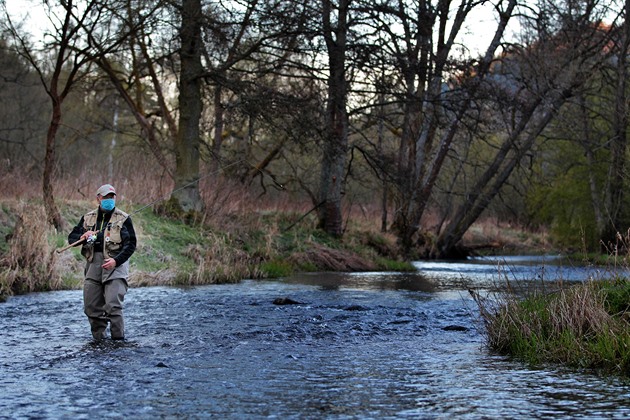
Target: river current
(351, 345)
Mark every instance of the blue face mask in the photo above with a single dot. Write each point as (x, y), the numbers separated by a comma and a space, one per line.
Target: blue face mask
(108, 204)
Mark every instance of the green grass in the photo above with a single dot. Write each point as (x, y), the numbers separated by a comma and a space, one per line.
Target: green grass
(277, 268)
(583, 326)
(162, 242)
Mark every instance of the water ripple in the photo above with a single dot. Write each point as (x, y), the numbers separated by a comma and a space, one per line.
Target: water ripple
(354, 346)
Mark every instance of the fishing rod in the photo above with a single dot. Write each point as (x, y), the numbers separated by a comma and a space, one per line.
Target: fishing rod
(60, 250)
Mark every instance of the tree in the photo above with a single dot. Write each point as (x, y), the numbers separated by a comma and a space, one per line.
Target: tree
(70, 64)
(184, 135)
(23, 107)
(577, 46)
(229, 61)
(583, 154)
(335, 34)
(134, 73)
(190, 106)
(80, 34)
(420, 38)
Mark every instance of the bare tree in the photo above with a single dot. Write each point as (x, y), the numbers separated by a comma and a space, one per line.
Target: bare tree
(335, 33)
(419, 39)
(536, 82)
(190, 106)
(183, 135)
(70, 64)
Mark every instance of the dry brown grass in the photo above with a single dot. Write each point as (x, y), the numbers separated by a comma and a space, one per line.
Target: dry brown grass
(138, 181)
(492, 234)
(327, 259)
(221, 262)
(228, 202)
(31, 263)
(580, 310)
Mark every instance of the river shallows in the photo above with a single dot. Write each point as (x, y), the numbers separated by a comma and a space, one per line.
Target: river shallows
(369, 345)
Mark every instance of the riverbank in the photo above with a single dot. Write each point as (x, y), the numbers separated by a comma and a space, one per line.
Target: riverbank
(224, 247)
(229, 248)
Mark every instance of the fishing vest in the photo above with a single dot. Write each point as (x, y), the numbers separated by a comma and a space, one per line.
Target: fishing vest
(111, 234)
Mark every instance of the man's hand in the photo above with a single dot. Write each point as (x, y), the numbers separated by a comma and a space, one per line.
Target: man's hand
(87, 234)
(109, 264)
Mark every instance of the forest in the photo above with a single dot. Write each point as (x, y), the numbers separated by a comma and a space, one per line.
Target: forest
(336, 106)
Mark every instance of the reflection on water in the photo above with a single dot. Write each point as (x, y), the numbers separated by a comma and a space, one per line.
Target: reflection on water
(360, 345)
(498, 270)
(366, 281)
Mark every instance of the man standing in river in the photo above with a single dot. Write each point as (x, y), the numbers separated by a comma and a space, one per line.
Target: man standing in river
(108, 241)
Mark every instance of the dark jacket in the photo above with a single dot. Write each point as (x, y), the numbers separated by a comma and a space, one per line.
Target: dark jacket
(127, 233)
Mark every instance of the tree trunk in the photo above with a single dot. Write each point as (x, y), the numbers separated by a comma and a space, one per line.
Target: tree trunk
(336, 140)
(218, 127)
(616, 214)
(54, 217)
(497, 173)
(379, 149)
(187, 142)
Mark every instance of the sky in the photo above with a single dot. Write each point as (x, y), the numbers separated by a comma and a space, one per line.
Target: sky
(31, 12)
(476, 36)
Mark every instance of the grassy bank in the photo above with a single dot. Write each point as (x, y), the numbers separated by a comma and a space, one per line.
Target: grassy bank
(582, 326)
(223, 248)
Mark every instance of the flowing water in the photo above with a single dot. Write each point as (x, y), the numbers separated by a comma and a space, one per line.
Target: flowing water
(368, 345)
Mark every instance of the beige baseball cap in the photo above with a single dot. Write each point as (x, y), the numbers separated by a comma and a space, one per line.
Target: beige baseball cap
(105, 189)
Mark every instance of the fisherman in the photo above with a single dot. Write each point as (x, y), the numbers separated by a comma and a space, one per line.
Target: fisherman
(108, 241)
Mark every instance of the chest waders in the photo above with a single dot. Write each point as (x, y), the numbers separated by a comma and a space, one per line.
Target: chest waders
(104, 290)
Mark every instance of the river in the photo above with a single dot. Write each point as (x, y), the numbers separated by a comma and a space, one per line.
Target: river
(355, 345)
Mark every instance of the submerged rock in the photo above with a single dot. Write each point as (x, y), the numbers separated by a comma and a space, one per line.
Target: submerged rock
(285, 301)
(455, 328)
